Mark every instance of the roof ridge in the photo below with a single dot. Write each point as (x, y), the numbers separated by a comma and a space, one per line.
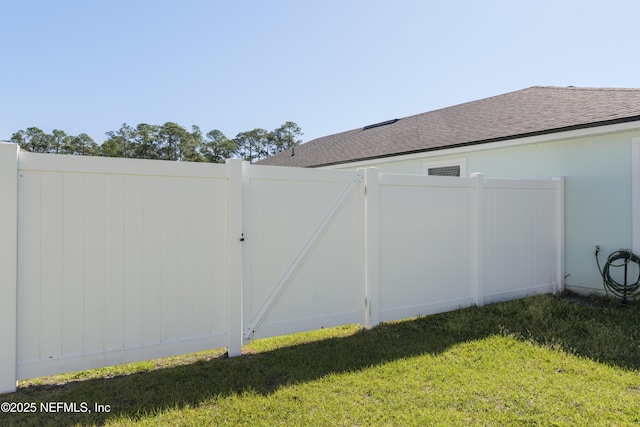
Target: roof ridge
(522, 90)
(585, 88)
(472, 101)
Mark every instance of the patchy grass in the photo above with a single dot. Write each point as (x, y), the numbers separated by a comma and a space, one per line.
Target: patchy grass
(542, 360)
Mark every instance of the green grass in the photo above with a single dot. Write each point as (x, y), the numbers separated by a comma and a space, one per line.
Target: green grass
(538, 361)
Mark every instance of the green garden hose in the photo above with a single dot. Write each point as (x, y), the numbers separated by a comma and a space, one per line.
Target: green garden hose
(622, 290)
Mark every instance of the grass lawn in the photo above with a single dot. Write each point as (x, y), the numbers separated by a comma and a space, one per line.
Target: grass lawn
(544, 360)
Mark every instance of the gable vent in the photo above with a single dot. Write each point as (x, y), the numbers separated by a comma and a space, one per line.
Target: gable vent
(376, 125)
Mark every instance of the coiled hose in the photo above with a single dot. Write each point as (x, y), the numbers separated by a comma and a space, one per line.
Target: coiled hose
(617, 259)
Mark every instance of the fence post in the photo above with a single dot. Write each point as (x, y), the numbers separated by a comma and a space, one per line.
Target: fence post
(477, 240)
(234, 288)
(560, 234)
(8, 264)
(372, 247)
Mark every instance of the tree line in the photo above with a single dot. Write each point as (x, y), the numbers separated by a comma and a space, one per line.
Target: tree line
(169, 141)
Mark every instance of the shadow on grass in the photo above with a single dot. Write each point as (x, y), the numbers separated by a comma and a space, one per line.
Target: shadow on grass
(600, 329)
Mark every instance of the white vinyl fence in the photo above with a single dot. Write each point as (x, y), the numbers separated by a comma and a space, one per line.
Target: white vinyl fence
(107, 261)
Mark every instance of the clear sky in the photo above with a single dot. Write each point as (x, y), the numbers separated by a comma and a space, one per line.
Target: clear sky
(328, 65)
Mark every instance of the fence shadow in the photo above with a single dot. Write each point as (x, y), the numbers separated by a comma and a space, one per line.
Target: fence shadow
(585, 328)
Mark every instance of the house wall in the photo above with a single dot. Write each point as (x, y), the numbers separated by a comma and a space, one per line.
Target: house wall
(598, 193)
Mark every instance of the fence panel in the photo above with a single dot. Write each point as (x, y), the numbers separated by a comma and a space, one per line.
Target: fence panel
(425, 227)
(464, 241)
(521, 247)
(118, 260)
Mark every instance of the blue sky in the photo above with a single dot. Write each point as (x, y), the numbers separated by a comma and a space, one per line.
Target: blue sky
(330, 66)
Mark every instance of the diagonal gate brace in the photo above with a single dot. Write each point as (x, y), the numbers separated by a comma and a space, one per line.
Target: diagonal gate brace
(286, 278)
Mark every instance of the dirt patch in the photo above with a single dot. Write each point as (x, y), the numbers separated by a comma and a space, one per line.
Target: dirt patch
(573, 298)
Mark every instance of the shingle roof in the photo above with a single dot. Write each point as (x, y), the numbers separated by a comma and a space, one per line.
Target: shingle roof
(527, 112)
